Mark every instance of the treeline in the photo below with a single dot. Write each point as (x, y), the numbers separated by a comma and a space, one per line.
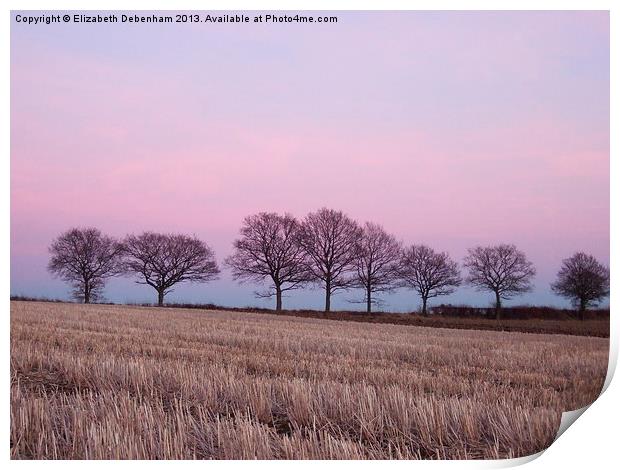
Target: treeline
(326, 248)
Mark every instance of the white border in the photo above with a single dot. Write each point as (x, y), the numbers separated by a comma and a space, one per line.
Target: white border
(591, 442)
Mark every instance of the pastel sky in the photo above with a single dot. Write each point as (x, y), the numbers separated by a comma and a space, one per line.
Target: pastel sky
(449, 128)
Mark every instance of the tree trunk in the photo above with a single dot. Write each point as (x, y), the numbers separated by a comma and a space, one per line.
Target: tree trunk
(278, 299)
(498, 307)
(368, 298)
(328, 292)
(582, 310)
(424, 306)
(86, 294)
(160, 298)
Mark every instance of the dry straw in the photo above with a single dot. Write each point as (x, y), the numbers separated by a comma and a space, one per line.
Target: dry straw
(110, 382)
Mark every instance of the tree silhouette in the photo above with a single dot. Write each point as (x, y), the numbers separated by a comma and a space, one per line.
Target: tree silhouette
(583, 280)
(331, 241)
(501, 269)
(85, 258)
(269, 249)
(429, 273)
(164, 260)
(376, 263)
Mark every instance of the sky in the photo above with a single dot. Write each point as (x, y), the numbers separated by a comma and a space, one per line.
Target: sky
(452, 129)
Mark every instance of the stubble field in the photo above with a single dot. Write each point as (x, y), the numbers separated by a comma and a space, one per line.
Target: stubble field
(112, 382)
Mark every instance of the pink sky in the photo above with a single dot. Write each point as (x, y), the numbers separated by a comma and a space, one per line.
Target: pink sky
(451, 129)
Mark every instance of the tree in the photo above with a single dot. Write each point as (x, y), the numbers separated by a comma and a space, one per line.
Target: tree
(85, 258)
(377, 262)
(330, 239)
(164, 260)
(429, 273)
(501, 269)
(583, 280)
(269, 249)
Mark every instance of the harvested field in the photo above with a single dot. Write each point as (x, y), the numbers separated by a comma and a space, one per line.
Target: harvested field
(112, 382)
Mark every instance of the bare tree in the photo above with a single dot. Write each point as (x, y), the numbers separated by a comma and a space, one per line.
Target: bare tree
(164, 260)
(330, 239)
(85, 258)
(429, 273)
(376, 263)
(583, 280)
(501, 269)
(269, 249)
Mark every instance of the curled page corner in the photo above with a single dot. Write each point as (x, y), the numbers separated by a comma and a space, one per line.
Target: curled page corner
(568, 418)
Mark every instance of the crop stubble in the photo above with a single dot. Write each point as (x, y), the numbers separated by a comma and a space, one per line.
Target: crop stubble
(114, 382)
